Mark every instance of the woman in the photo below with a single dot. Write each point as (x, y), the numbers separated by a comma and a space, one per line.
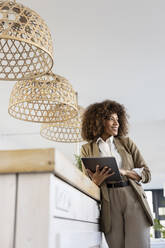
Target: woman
(125, 214)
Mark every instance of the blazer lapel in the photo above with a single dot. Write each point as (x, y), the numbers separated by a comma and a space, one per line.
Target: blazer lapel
(95, 150)
(122, 153)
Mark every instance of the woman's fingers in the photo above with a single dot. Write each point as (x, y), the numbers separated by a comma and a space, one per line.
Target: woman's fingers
(104, 170)
(108, 175)
(108, 171)
(97, 168)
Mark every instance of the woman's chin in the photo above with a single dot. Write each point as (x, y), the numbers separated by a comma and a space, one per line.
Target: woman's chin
(115, 133)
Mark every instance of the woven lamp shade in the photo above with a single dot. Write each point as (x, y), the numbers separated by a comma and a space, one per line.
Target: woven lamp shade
(66, 132)
(47, 99)
(25, 43)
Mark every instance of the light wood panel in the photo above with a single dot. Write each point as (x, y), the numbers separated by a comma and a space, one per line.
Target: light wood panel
(31, 160)
(33, 211)
(7, 210)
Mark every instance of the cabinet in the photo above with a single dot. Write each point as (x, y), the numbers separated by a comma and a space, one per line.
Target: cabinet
(47, 208)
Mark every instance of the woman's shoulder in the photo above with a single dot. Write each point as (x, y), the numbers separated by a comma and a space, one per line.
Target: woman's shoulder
(87, 145)
(85, 149)
(126, 140)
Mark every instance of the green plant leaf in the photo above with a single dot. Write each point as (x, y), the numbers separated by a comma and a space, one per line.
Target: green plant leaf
(78, 162)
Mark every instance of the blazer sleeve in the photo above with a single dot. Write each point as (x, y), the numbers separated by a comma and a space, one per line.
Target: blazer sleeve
(84, 154)
(139, 161)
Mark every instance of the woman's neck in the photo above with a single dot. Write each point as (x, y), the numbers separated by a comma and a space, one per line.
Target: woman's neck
(105, 136)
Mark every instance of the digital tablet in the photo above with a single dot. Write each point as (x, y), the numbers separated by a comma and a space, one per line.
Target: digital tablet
(90, 163)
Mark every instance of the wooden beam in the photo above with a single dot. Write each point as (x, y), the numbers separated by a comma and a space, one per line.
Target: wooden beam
(32, 160)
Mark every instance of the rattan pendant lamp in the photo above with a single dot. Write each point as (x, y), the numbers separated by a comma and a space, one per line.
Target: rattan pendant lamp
(65, 132)
(47, 99)
(26, 49)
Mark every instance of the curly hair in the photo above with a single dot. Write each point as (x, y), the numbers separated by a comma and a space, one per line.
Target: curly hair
(92, 119)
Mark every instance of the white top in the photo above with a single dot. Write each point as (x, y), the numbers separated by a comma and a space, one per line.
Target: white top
(107, 148)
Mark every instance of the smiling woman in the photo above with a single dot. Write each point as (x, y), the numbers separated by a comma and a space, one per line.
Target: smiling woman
(123, 203)
(99, 114)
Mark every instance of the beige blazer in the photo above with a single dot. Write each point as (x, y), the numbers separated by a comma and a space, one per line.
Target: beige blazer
(131, 158)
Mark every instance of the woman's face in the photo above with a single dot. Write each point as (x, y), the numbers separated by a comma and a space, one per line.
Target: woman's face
(111, 125)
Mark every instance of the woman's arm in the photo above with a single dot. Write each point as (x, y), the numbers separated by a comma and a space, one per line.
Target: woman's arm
(131, 174)
(138, 163)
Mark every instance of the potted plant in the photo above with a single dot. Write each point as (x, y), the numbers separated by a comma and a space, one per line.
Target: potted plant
(159, 227)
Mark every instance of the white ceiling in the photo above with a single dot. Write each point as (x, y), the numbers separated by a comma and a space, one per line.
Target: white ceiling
(108, 50)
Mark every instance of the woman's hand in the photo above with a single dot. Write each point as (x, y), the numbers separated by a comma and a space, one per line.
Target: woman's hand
(99, 176)
(131, 174)
(123, 172)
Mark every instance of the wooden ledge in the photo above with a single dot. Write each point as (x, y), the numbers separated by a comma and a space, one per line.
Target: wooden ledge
(30, 160)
